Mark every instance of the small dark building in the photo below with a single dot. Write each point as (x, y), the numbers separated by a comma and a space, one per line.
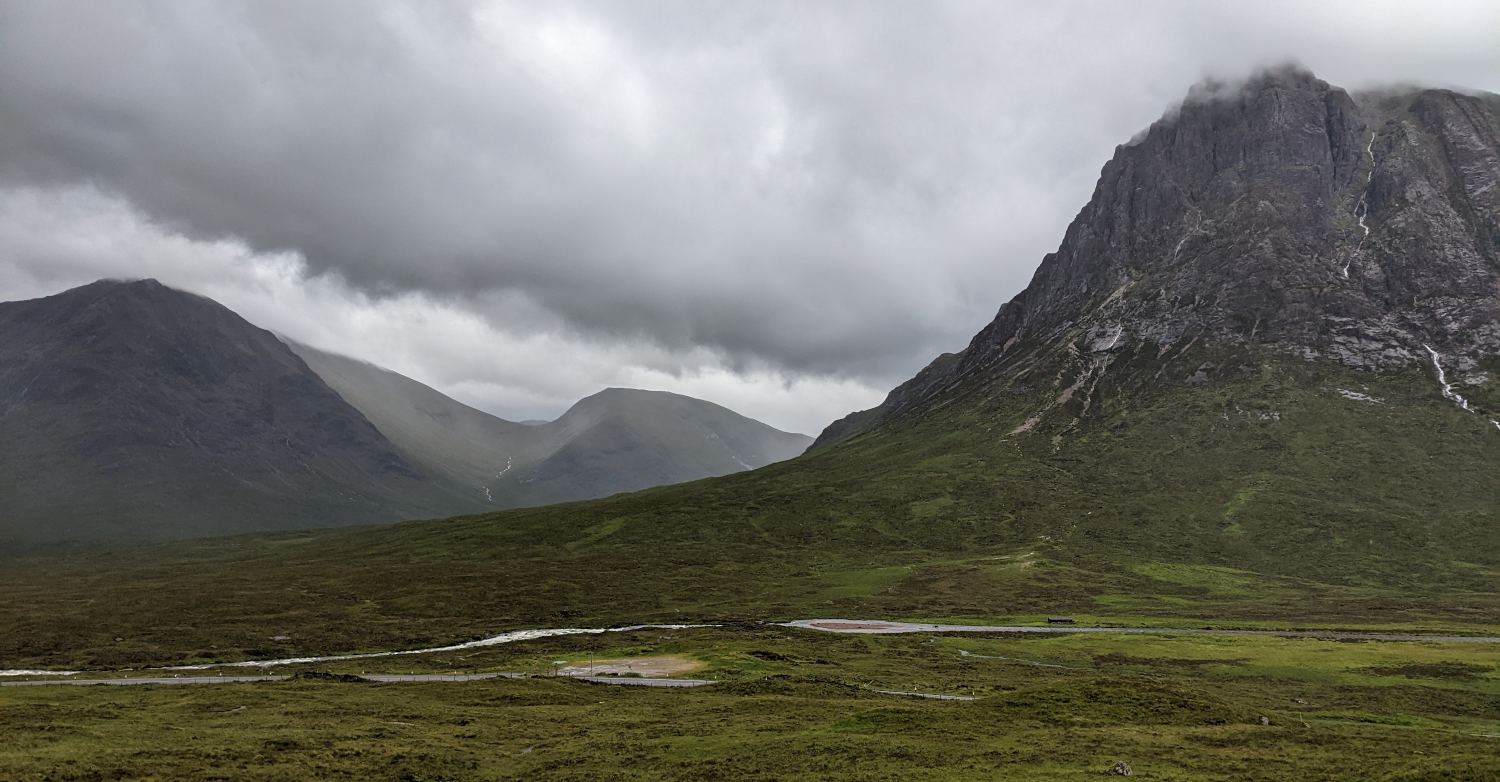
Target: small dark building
(1059, 620)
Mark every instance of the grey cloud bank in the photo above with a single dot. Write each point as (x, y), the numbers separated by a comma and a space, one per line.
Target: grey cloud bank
(783, 207)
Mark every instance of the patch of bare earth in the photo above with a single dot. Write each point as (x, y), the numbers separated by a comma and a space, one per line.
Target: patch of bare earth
(646, 667)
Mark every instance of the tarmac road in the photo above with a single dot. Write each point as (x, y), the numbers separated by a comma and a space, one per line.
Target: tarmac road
(882, 627)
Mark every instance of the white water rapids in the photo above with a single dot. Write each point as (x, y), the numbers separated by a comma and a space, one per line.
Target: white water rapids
(1448, 391)
(1443, 381)
(1362, 209)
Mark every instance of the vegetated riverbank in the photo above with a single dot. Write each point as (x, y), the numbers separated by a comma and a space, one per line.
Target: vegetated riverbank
(800, 704)
(880, 627)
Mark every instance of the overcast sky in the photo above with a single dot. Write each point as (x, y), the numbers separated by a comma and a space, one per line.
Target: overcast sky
(785, 208)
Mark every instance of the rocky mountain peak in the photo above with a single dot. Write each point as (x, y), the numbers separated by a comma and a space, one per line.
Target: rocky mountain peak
(1284, 212)
(1281, 212)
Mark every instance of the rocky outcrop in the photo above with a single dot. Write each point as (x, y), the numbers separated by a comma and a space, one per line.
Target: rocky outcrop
(1282, 212)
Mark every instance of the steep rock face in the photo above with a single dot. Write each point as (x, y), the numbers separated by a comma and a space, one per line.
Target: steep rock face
(1284, 213)
(130, 411)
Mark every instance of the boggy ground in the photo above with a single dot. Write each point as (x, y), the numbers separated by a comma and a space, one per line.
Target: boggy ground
(799, 704)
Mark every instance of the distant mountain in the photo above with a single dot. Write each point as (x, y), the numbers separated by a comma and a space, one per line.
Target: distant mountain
(623, 439)
(614, 441)
(130, 411)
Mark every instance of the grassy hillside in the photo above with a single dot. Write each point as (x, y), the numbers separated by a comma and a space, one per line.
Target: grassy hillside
(1259, 493)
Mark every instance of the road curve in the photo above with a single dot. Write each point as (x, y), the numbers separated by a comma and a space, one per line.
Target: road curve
(882, 627)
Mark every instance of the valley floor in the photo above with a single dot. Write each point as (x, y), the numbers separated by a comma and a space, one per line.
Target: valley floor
(795, 703)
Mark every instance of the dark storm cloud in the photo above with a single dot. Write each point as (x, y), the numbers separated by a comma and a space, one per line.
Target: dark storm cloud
(839, 188)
